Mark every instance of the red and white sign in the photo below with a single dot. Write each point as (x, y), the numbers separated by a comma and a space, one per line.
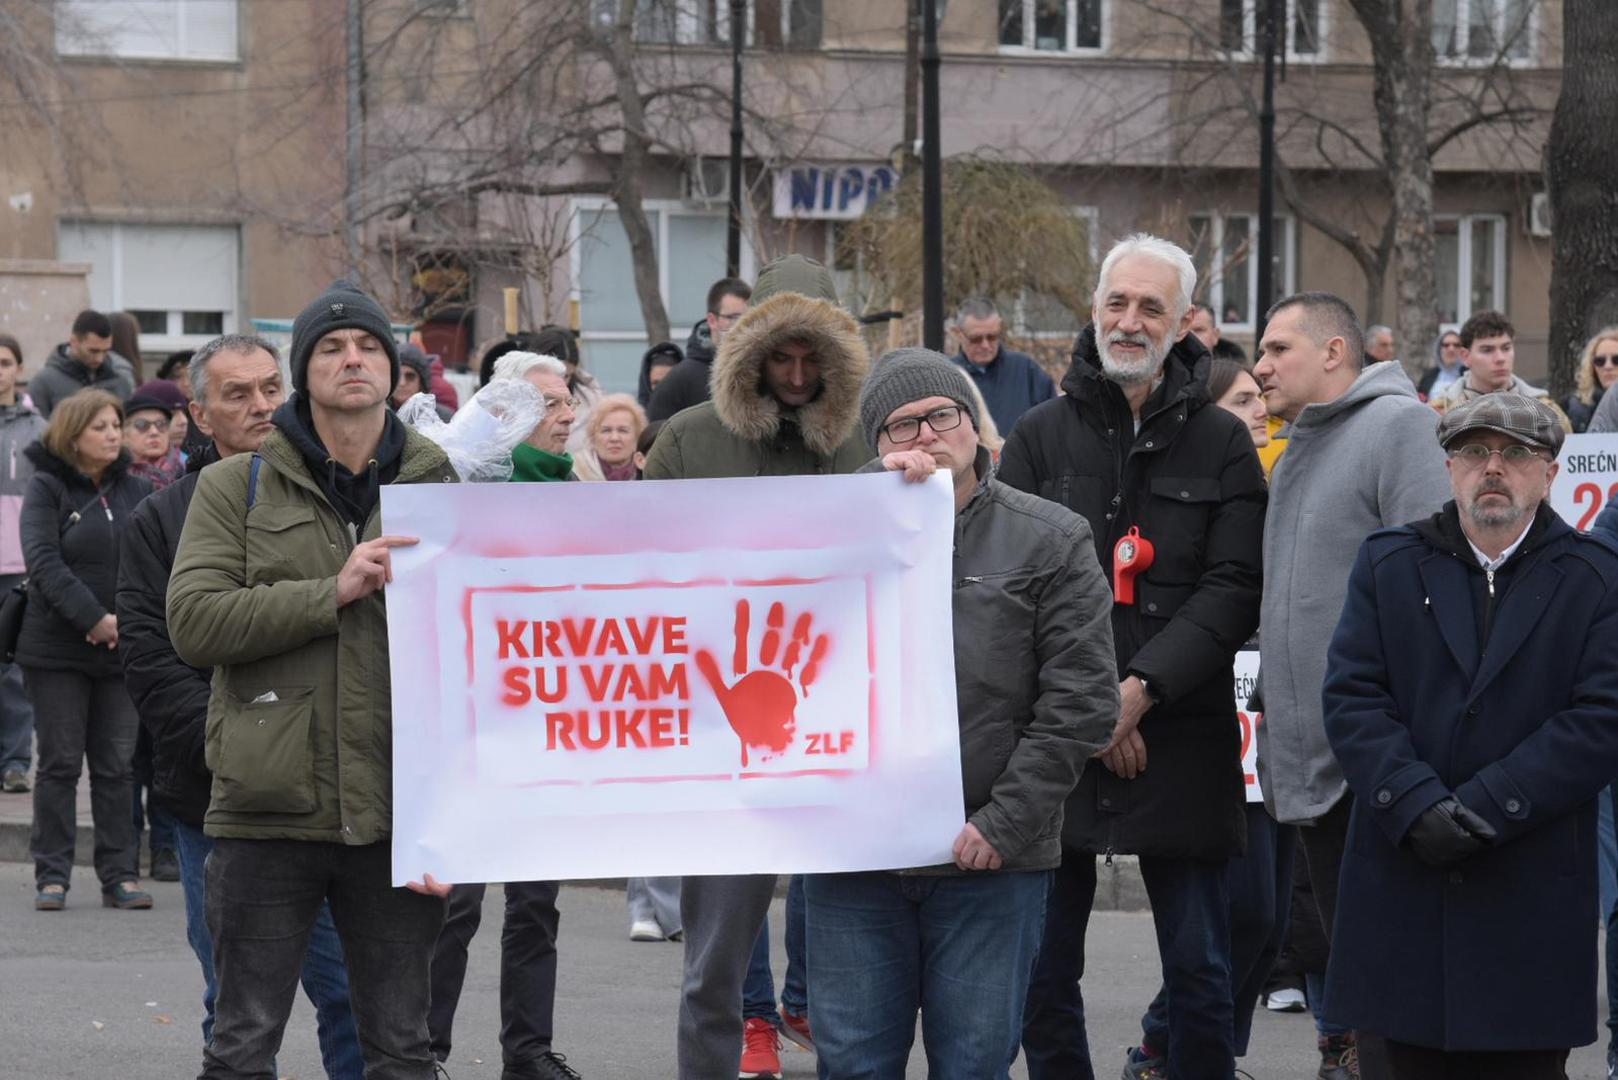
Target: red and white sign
(1588, 477)
(1245, 683)
(696, 677)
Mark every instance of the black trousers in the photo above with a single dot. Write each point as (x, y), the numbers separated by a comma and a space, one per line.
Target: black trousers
(527, 967)
(263, 898)
(1407, 1062)
(1324, 843)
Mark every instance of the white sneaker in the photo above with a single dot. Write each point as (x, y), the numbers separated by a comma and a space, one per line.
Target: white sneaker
(645, 930)
(1286, 1000)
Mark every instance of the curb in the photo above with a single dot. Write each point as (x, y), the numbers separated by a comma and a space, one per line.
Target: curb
(1118, 888)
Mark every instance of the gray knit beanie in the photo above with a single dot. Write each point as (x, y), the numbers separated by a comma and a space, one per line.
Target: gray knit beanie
(905, 375)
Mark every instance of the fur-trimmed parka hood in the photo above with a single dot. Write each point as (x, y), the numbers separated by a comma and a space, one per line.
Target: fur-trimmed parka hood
(792, 313)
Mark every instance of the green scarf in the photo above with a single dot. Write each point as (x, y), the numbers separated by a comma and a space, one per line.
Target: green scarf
(532, 465)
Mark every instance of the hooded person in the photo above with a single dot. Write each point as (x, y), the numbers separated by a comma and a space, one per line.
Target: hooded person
(786, 393)
(785, 385)
(663, 357)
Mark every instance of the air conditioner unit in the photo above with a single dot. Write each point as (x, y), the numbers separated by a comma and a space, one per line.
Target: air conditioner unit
(707, 181)
(1539, 214)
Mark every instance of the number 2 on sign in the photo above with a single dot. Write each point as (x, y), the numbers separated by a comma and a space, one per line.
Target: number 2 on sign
(1591, 494)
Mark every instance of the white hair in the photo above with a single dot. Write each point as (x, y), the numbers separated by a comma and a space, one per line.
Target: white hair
(1153, 247)
(514, 365)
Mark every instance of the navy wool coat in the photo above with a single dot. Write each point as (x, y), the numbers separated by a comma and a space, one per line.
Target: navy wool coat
(1511, 705)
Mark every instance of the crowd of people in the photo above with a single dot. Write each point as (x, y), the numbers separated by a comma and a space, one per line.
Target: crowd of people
(194, 572)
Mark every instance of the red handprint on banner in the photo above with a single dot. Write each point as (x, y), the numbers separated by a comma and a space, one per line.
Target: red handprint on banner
(762, 704)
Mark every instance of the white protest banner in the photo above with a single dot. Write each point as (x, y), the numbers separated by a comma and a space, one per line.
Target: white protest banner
(694, 677)
(1246, 681)
(1587, 479)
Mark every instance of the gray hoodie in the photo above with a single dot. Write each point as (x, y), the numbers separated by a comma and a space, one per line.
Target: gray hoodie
(1366, 460)
(19, 426)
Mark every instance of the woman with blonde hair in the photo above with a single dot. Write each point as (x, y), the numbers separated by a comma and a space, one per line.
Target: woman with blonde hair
(1598, 369)
(73, 518)
(610, 435)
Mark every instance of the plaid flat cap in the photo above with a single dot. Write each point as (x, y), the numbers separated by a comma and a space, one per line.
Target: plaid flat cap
(1528, 420)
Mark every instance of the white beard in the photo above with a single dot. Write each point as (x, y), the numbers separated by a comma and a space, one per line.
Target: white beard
(1132, 372)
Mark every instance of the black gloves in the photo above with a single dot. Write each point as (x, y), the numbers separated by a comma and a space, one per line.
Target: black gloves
(1447, 833)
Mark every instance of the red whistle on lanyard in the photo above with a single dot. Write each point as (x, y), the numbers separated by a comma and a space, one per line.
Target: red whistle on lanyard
(1130, 556)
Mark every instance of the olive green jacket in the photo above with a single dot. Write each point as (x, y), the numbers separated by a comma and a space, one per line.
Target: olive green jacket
(300, 721)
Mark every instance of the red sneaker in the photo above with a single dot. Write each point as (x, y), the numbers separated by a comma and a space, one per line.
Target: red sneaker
(796, 1028)
(761, 1050)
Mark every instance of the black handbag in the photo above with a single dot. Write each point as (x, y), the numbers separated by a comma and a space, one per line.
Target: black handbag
(12, 606)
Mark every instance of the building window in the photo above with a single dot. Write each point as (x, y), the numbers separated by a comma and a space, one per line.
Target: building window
(148, 29)
(1469, 262)
(1472, 31)
(776, 24)
(1052, 25)
(612, 329)
(1240, 32)
(179, 281)
(1224, 248)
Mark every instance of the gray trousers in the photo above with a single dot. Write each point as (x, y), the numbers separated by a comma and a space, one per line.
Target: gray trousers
(722, 917)
(656, 899)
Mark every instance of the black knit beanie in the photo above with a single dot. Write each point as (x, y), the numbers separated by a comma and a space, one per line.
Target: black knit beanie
(341, 307)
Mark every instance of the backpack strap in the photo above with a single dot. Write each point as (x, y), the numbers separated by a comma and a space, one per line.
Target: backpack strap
(252, 480)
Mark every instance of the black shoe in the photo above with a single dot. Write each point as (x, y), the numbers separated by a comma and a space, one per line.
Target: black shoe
(547, 1066)
(165, 865)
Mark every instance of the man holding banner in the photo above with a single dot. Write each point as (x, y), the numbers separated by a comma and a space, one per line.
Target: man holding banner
(278, 585)
(1037, 696)
(785, 389)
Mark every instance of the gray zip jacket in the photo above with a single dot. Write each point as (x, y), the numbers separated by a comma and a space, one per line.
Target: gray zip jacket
(1036, 681)
(1365, 461)
(19, 426)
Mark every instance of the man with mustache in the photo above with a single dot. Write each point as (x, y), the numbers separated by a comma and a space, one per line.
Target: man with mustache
(1469, 699)
(1137, 448)
(1360, 457)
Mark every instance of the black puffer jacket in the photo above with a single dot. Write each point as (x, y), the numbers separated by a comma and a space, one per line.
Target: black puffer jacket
(1191, 481)
(170, 695)
(70, 535)
(687, 384)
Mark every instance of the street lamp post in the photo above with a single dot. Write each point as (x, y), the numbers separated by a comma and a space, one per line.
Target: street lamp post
(733, 233)
(932, 197)
(1266, 174)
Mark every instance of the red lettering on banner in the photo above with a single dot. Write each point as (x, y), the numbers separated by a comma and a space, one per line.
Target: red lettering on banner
(510, 634)
(1590, 493)
(830, 743)
(645, 729)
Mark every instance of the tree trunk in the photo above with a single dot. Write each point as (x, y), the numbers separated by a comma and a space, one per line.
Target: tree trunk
(632, 163)
(1583, 187)
(1401, 46)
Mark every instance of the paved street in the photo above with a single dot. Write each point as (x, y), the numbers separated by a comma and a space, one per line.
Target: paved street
(98, 993)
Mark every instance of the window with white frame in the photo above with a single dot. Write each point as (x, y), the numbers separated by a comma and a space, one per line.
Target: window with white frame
(1469, 264)
(1052, 25)
(179, 281)
(203, 30)
(1304, 22)
(612, 330)
(1224, 249)
(770, 23)
(1473, 31)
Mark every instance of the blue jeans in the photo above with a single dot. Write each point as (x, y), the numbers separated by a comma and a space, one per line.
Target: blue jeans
(959, 948)
(1260, 885)
(324, 978)
(758, 991)
(16, 711)
(1191, 913)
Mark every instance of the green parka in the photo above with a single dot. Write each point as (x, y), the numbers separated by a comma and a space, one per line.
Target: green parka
(743, 430)
(300, 721)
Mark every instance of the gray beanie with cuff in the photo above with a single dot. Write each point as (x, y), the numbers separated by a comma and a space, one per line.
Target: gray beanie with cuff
(902, 376)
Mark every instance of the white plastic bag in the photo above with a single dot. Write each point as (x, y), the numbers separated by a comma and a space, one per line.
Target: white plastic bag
(480, 437)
